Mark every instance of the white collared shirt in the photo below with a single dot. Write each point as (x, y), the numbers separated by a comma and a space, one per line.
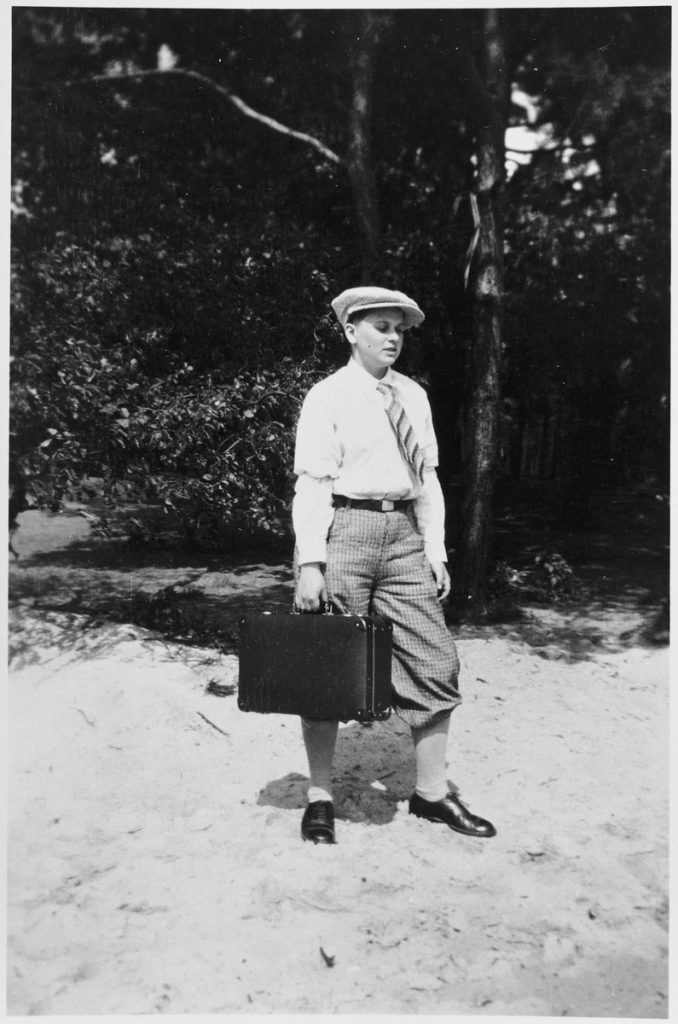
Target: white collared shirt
(346, 445)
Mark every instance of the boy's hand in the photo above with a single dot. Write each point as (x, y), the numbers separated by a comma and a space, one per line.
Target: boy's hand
(311, 591)
(442, 578)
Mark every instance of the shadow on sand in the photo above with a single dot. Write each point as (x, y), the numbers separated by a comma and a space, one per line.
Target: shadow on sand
(373, 772)
(199, 597)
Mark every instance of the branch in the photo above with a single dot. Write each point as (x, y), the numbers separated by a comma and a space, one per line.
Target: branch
(210, 722)
(231, 97)
(88, 720)
(559, 148)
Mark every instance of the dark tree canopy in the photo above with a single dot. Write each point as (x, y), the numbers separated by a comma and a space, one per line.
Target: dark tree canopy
(174, 256)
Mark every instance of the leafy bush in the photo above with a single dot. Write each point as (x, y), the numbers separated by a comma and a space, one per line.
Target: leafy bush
(221, 455)
(121, 375)
(551, 581)
(217, 455)
(555, 577)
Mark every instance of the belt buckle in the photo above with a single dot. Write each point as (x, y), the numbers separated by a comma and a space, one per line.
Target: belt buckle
(387, 505)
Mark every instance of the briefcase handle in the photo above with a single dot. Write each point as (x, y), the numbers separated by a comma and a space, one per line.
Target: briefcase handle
(332, 607)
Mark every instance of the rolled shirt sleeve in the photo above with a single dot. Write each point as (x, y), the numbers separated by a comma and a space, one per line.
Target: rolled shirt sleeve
(316, 463)
(429, 504)
(312, 514)
(427, 441)
(429, 510)
(317, 451)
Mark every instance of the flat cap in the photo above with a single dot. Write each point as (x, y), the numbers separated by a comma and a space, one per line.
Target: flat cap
(369, 297)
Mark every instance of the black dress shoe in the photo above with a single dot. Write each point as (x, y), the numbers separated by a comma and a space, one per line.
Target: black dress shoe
(317, 824)
(452, 813)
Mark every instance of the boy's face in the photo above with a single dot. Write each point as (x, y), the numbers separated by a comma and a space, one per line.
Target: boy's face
(376, 339)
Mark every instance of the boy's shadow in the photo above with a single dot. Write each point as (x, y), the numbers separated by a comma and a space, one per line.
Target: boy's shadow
(380, 754)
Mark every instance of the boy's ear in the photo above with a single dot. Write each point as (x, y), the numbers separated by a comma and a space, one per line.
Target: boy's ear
(349, 331)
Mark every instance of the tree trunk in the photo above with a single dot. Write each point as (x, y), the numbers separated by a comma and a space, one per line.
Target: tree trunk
(484, 358)
(368, 27)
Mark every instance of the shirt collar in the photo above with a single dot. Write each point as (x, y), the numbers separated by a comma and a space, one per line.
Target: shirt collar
(365, 380)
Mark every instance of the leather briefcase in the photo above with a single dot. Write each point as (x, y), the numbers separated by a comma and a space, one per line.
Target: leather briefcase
(331, 667)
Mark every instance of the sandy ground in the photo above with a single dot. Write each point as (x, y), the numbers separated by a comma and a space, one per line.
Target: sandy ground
(155, 862)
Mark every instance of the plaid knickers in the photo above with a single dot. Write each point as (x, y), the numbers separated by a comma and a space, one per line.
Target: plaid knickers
(376, 565)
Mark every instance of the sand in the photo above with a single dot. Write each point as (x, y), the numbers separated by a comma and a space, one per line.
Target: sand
(156, 865)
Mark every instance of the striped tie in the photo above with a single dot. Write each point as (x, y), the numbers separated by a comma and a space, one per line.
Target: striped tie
(403, 431)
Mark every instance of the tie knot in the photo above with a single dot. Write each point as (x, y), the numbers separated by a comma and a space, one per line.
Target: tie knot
(384, 388)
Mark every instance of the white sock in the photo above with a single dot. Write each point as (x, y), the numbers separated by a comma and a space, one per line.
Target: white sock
(430, 751)
(318, 793)
(320, 739)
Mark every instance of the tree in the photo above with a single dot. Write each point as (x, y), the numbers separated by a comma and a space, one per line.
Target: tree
(488, 85)
(369, 26)
(587, 237)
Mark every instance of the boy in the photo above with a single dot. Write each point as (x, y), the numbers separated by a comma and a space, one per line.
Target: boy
(368, 516)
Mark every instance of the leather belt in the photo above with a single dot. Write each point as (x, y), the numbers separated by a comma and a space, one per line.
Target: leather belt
(371, 504)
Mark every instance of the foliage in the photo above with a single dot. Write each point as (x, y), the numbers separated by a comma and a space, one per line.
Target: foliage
(222, 452)
(588, 257)
(101, 385)
(216, 445)
(173, 261)
(550, 580)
